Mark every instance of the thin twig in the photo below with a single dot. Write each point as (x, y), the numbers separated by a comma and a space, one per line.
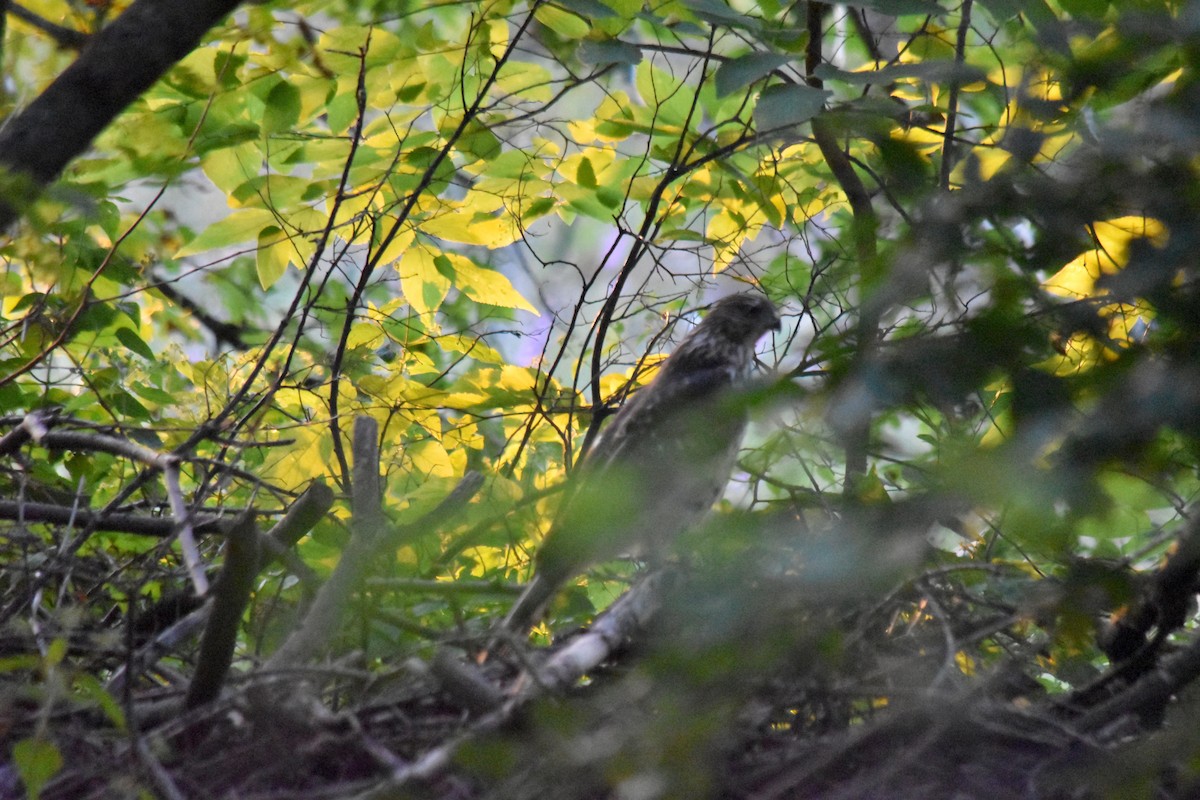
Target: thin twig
(964, 28)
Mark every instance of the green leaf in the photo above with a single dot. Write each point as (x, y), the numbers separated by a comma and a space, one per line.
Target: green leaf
(125, 404)
(240, 226)
(226, 136)
(719, 12)
(937, 71)
(89, 686)
(781, 107)
(152, 394)
(1083, 9)
(37, 761)
(342, 110)
(271, 258)
(592, 9)
(479, 141)
(283, 108)
(745, 70)
(608, 51)
(625, 8)
(97, 317)
(899, 8)
(540, 207)
(129, 338)
(564, 23)
(487, 286)
(585, 175)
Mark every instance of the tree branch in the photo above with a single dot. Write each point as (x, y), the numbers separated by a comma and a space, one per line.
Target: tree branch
(230, 595)
(97, 520)
(62, 35)
(863, 230)
(964, 27)
(369, 537)
(61, 123)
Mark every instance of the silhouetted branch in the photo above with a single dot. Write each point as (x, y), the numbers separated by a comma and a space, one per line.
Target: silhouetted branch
(230, 594)
(89, 518)
(301, 516)
(62, 35)
(369, 537)
(37, 143)
(620, 621)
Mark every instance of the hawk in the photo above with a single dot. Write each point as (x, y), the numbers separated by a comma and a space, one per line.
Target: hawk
(663, 460)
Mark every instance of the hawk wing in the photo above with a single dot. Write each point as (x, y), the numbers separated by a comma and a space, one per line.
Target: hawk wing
(664, 459)
(656, 470)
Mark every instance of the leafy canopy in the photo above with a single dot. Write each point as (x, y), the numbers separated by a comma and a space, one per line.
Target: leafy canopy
(479, 224)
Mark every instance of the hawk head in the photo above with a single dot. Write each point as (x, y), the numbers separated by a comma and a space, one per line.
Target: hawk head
(742, 318)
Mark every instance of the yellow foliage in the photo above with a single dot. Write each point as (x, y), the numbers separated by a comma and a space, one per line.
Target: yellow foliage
(425, 417)
(531, 82)
(1077, 280)
(518, 379)
(565, 23)
(462, 435)
(1113, 237)
(396, 248)
(614, 383)
(487, 560)
(480, 227)
(463, 400)
(430, 459)
(727, 231)
(424, 287)
(614, 106)
(308, 458)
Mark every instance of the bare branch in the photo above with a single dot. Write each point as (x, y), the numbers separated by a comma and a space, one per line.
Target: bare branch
(229, 601)
(64, 36)
(40, 141)
(369, 537)
(98, 520)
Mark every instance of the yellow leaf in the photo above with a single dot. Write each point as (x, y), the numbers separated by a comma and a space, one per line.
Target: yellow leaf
(305, 225)
(305, 459)
(364, 334)
(1078, 278)
(463, 400)
(424, 287)
(277, 249)
(271, 258)
(373, 385)
(430, 459)
(426, 418)
(989, 158)
(473, 346)
(1117, 233)
(230, 167)
(726, 231)
(485, 285)
(517, 379)
(473, 228)
(531, 81)
(564, 23)
(237, 228)
(397, 247)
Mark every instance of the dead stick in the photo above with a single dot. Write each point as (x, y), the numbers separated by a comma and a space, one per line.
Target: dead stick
(231, 593)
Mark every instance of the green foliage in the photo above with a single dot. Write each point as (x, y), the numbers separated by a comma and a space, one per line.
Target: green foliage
(392, 209)
(37, 761)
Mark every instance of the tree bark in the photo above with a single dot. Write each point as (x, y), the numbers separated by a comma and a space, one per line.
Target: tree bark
(120, 62)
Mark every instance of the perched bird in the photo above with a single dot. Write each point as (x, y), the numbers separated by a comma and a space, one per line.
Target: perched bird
(663, 460)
